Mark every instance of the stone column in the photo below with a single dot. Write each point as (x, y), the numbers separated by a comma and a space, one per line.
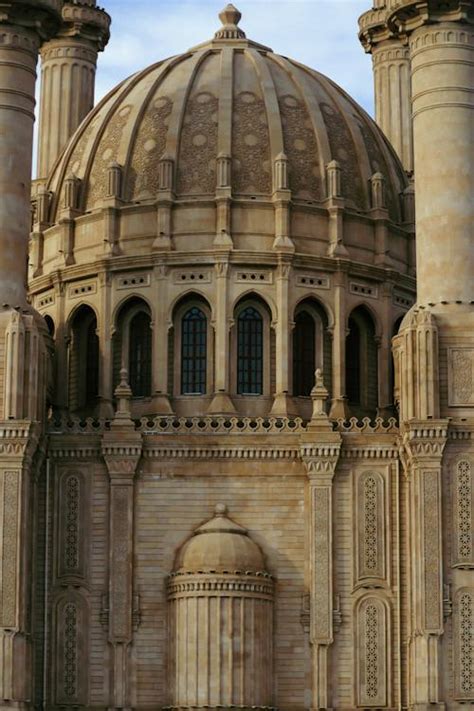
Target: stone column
(161, 402)
(282, 404)
(339, 407)
(320, 450)
(121, 448)
(68, 68)
(222, 403)
(423, 446)
(392, 81)
(442, 57)
(18, 57)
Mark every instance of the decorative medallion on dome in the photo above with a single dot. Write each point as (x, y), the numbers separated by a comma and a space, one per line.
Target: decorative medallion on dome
(230, 18)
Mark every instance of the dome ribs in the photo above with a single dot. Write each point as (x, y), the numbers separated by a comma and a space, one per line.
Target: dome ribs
(305, 167)
(181, 98)
(251, 151)
(197, 155)
(151, 125)
(302, 83)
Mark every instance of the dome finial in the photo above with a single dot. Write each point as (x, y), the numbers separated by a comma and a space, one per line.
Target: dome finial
(230, 18)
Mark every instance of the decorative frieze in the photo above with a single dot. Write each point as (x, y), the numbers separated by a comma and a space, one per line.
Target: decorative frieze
(73, 530)
(9, 549)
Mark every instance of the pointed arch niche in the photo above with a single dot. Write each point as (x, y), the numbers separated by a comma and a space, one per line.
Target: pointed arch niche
(362, 364)
(372, 653)
(83, 361)
(133, 347)
(312, 347)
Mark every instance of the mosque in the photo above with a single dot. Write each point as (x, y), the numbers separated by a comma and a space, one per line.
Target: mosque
(237, 383)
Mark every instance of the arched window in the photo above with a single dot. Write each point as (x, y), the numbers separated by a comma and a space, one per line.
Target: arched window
(84, 362)
(304, 353)
(312, 347)
(353, 374)
(139, 354)
(193, 352)
(133, 347)
(250, 352)
(362, 364)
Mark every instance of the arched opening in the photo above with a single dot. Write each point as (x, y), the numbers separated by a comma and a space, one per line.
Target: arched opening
(190, 347)
(250, 352)
(362, 364)
(50, 325)
(193, 352)
(83, 362)
(133, 346)
(312, 347)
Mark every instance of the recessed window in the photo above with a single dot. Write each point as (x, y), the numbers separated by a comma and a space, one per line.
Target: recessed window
(193, 352)
(250, 352)
(139, 358)
(304, 354)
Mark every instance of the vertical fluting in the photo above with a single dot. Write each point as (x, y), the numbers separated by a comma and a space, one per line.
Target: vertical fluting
(68, 69)
(392, 84)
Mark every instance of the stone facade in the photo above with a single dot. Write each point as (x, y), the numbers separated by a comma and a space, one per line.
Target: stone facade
(236, 452)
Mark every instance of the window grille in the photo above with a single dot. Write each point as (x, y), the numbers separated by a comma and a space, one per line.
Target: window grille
(193, 352)
(250, 352)
(140, 355)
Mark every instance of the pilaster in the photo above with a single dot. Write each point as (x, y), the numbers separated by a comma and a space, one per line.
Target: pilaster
(19, 441)
(282, 404)
(422, 446)
(222, 403)
(320, 451)
(121, 449)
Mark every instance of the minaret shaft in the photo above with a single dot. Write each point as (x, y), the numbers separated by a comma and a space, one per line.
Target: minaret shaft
(442, 57)
(68, 69)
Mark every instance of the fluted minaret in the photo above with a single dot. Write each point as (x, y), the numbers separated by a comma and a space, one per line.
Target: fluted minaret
(23, 27)
(68, 69)
(392, 80)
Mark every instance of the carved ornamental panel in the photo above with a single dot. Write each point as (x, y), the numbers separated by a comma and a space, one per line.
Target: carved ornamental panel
(71, 651)
(464, 644)
(371, 525)
(463, 495)
(73, 528)
(461, 377)
(373, 643)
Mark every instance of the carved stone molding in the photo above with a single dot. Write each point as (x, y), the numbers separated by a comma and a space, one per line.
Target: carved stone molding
(424, 441)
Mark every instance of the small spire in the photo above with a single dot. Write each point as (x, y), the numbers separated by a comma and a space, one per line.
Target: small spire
(230, 18)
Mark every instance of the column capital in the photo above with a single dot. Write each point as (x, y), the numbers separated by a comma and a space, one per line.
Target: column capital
(38, 17)
(409, 15)
(423, 442)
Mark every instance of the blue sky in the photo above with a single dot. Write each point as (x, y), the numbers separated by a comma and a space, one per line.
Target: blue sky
(320, 33)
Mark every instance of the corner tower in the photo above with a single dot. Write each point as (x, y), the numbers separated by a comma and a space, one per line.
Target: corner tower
(434, 351)
(68, 69)
(23, 27)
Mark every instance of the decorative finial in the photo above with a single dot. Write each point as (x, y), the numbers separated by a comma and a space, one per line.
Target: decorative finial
(220, 509)
(230, 18)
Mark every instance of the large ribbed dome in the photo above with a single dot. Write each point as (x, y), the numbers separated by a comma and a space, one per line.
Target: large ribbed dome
(234, 99)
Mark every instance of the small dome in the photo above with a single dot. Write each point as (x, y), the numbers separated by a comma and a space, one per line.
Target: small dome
(228, 99)
(220, 545)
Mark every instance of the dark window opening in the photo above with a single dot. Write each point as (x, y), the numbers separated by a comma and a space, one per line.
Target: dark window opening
(140, 355)
(193, 352)
(250, 352)
(304, 354)
(353, 363)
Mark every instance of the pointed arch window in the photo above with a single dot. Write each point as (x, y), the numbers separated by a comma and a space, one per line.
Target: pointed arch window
(353, 363)
(140, 354)
(193, 352)
(84, 355)
(250, 352)
(304, 354)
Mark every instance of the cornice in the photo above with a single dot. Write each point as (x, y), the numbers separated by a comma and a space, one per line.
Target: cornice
(38, 18)
(19, 441)
(405, 16)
